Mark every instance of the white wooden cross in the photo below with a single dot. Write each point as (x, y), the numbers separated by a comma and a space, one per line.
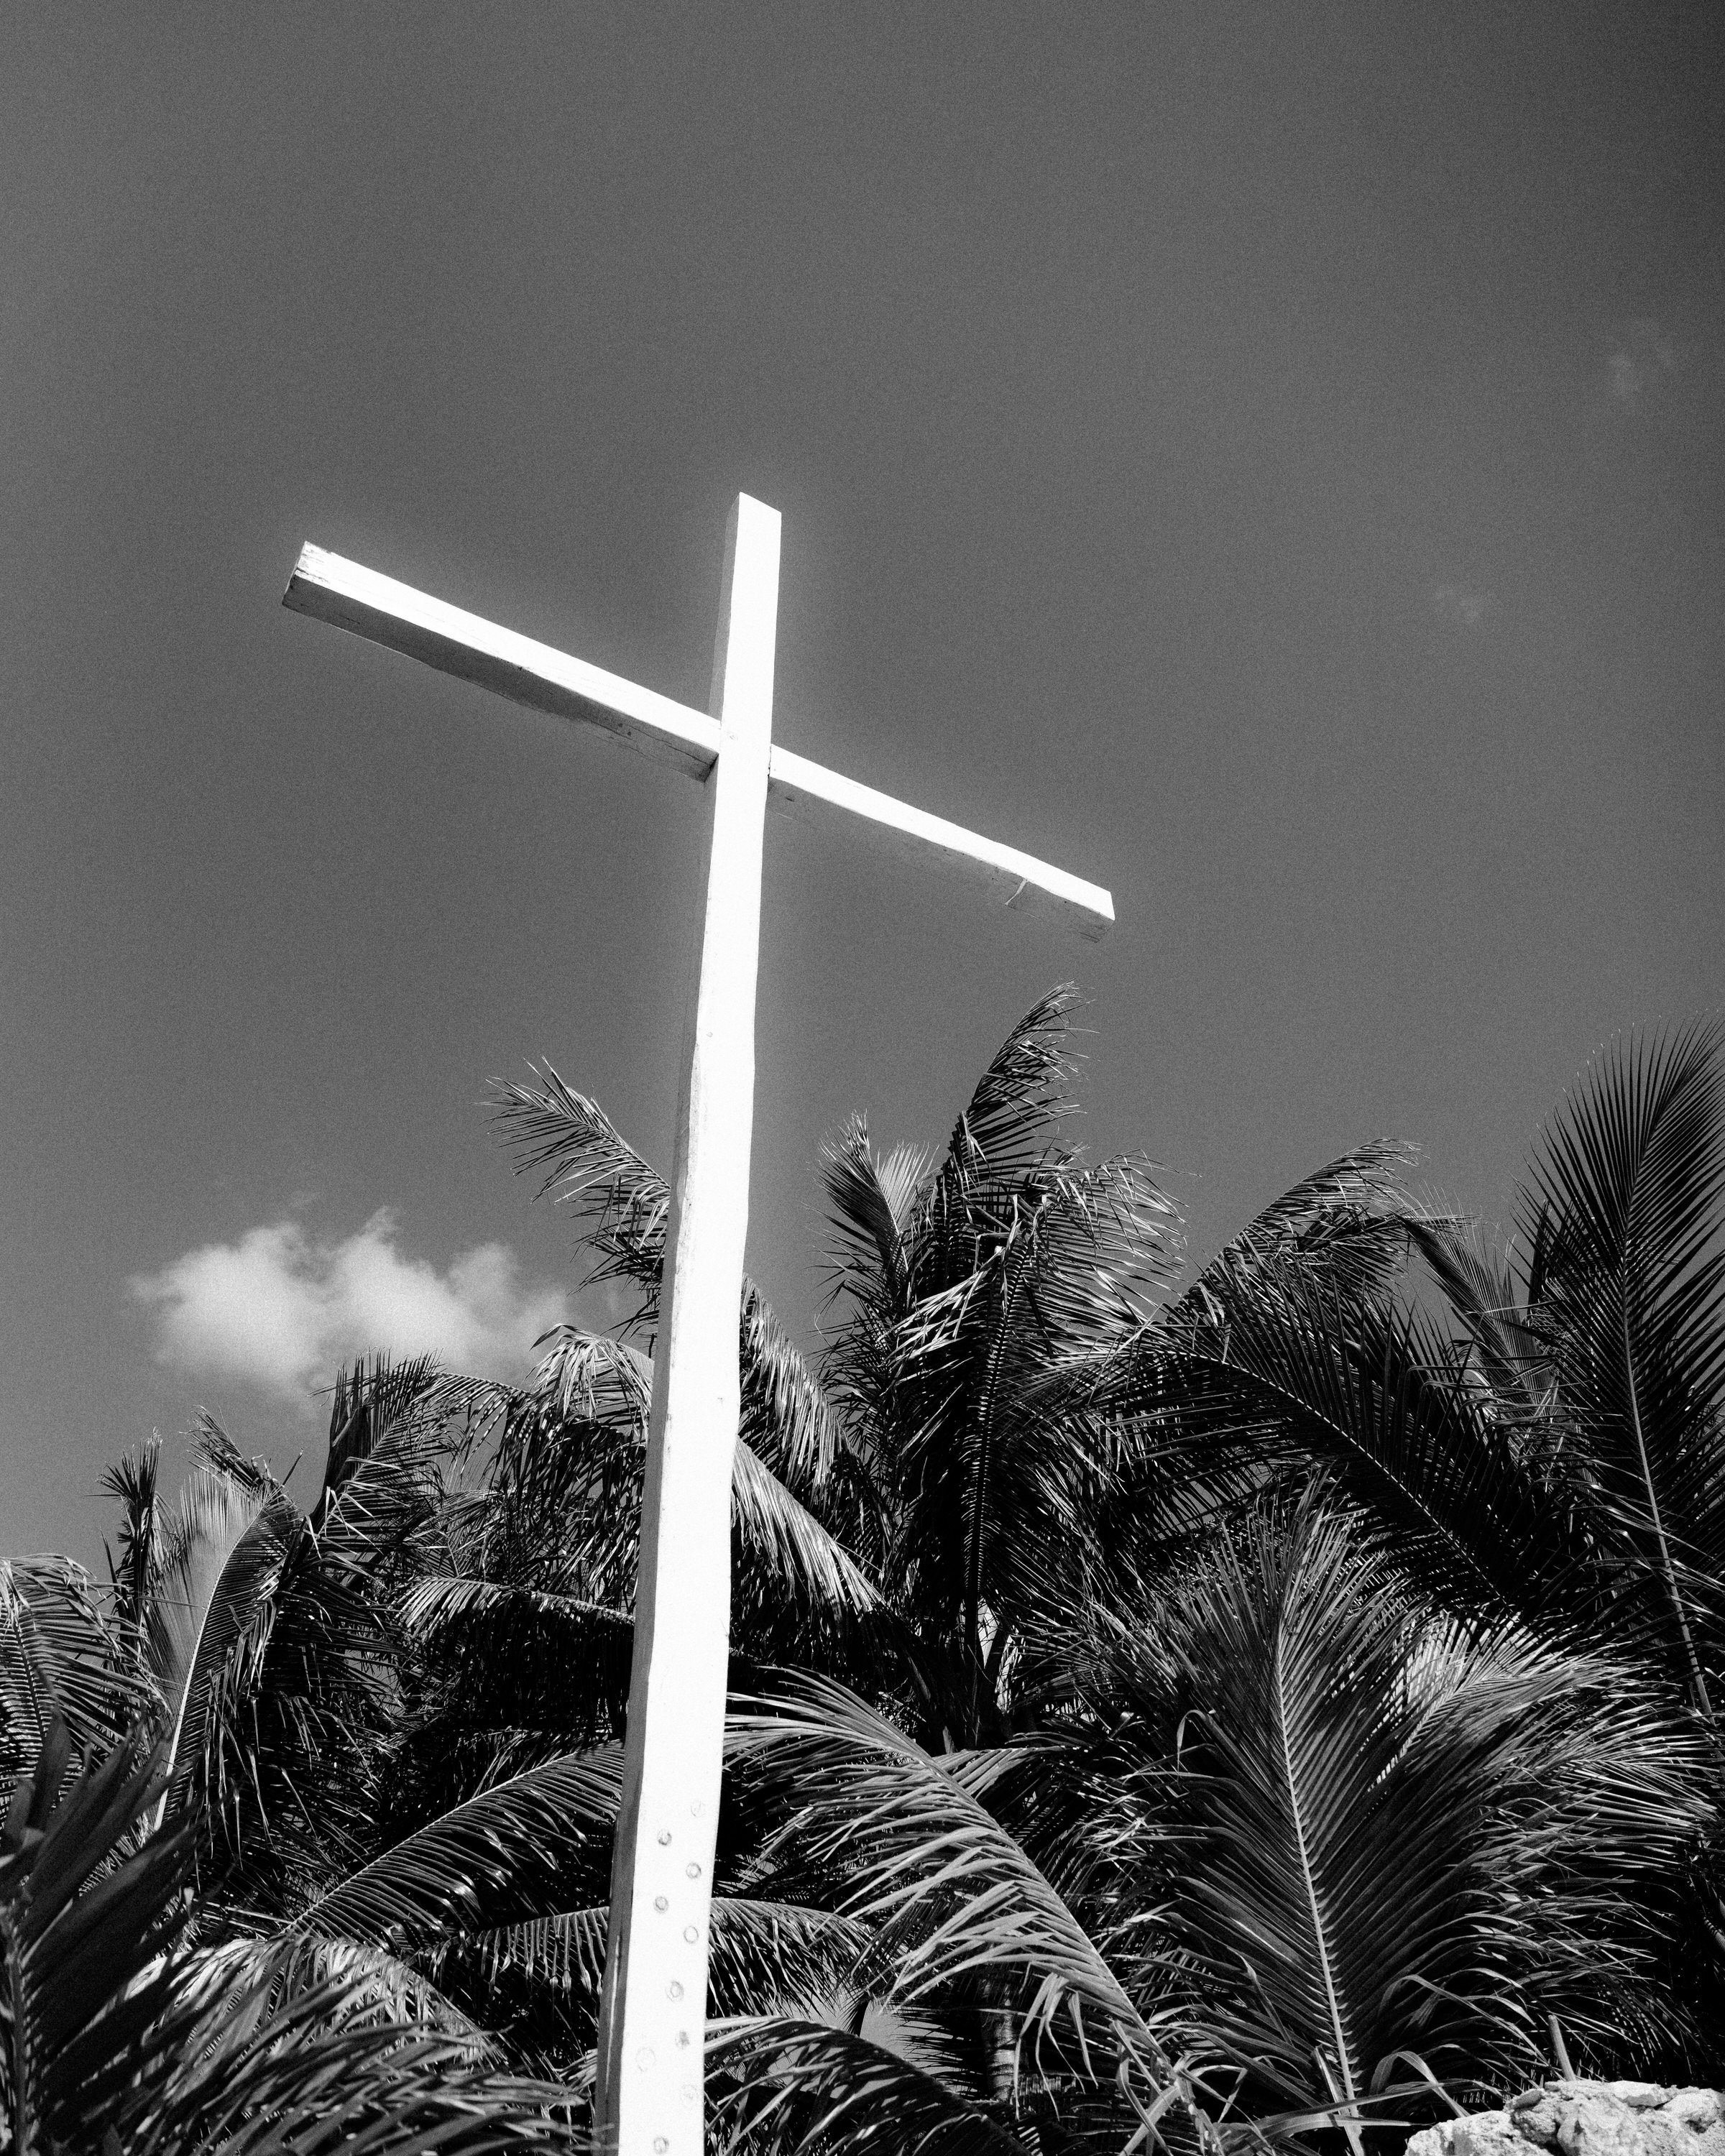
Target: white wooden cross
(652, 2007)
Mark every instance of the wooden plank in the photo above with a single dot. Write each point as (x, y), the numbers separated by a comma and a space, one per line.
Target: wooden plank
(652, 2014)
(351, 596)
(385, 612)
(1021, 881)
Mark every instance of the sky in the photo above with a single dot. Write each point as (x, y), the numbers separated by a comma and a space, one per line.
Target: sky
(1266, 460)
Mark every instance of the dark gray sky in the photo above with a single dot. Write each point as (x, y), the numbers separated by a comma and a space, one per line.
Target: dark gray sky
(1265, 460)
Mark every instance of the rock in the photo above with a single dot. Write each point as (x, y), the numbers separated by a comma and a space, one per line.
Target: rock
(1484, 2133)
(1587, 2118)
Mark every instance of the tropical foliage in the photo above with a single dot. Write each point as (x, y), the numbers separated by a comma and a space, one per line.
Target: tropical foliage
(1255, 1705)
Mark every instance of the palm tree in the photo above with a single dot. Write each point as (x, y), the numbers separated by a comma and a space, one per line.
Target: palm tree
(287, 1912)
(1379, 1842)
(1035, 1456)
(946, 1458)
(979, 1297)
(260, 1631)
(1604, 1332)
(1215, 1710)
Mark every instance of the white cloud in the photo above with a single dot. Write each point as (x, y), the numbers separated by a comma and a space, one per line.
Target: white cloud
(281, 1309)
(1644, 356)
(1461, 603)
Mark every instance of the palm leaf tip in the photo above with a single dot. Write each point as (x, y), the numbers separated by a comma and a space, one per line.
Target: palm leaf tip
(1007, 1123)
(622, 1204)
(1625, 1220)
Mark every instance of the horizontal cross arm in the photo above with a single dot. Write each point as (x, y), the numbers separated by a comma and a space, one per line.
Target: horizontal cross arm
(350, 596)
(377, 608)
(809, 791)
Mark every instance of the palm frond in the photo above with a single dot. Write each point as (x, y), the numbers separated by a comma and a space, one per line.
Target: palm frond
(871, 1203)
(560, 1506)
(324, 2071)
(256, 1974)
(134, 1481)
(1005, 1130)
(1339, 1231)
(588, 1377)
(1627, 1215)
(790, 1547)
(570, 1459)
(983, 1430)
(497, 1652)
(210, 1618)
(116, 2040)
(786, 1419)
(790, 2083)
(623, 1205)
(1516, 1357)
(495, 1858)
(84, 1929)
(946, 1891)
(1375, 1398)
(386, 1434)
(1360, 1827)
(58, 1662)
(761, 1953)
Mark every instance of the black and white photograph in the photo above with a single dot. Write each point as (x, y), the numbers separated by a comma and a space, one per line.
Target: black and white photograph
(862, 1027)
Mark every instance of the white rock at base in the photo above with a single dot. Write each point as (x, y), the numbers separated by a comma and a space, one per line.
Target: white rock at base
(1587, 2118)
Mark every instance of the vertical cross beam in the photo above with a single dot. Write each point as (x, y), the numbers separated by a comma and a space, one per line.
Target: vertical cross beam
(652, 2013)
